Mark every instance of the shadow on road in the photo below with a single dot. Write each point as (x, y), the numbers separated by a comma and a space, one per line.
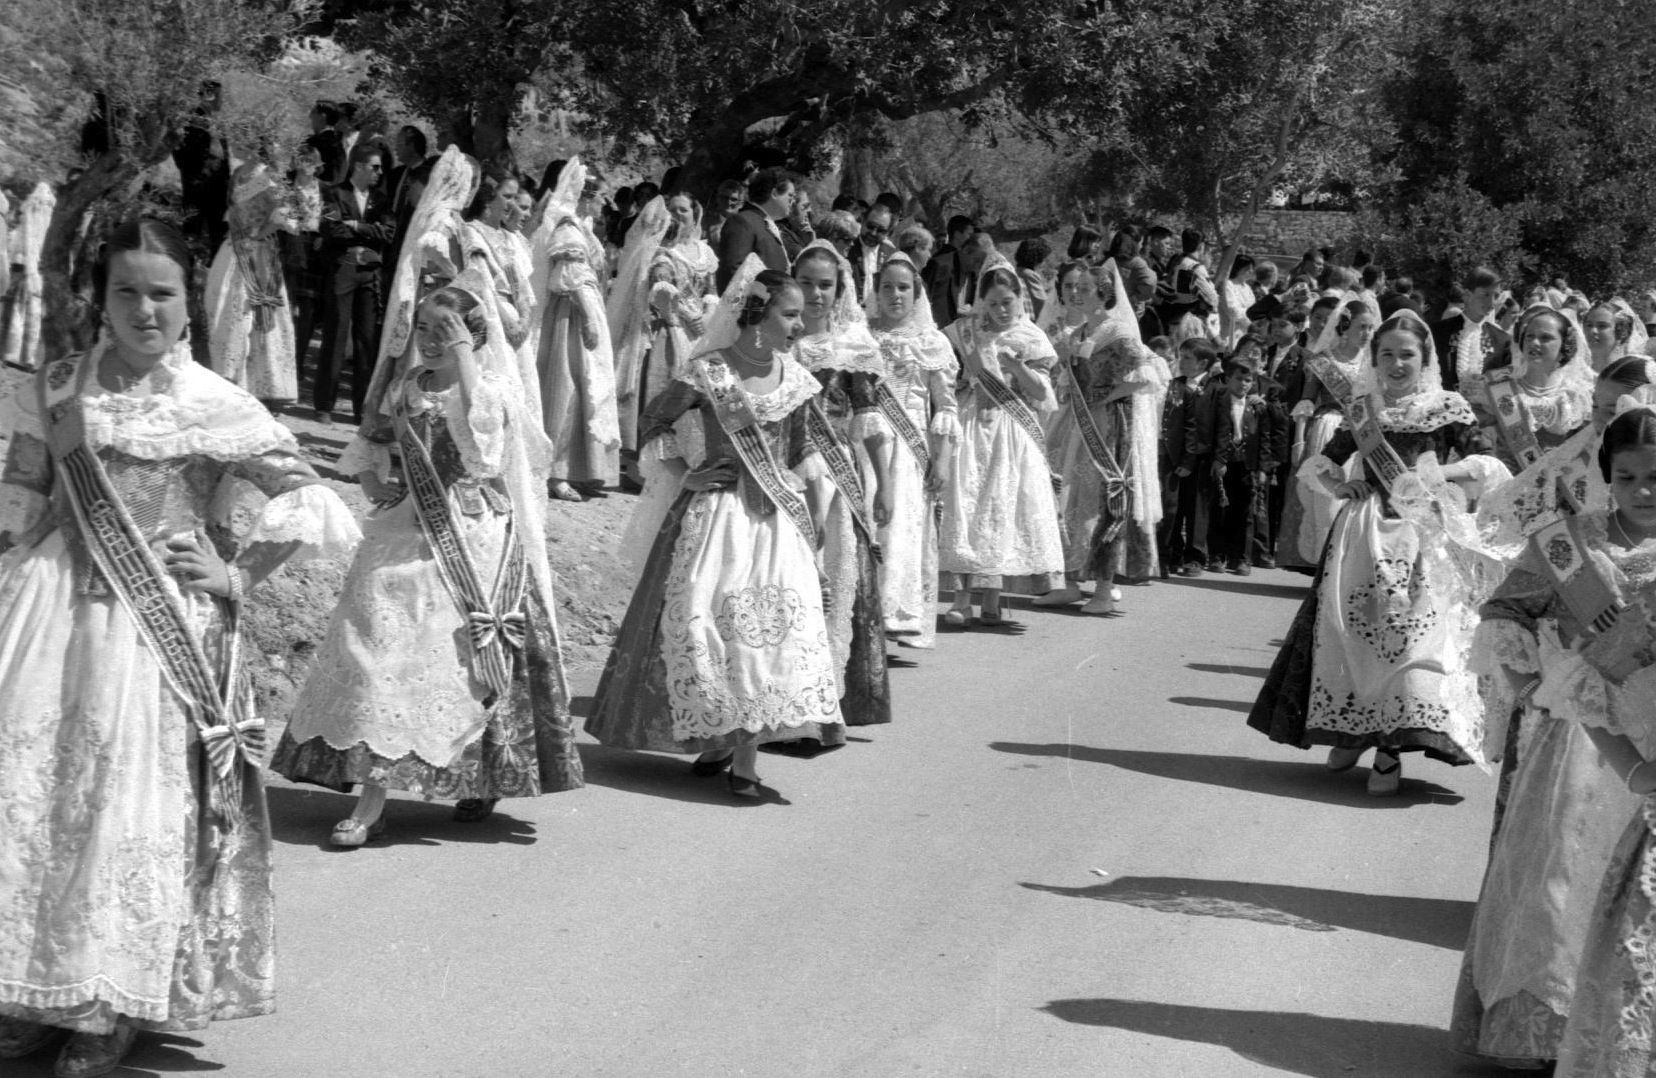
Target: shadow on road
(306, 817)
(1278, 778)
(1221, 668)
(1309, 1044)
(1436, 922)
(1210, 702)
(1243, 586)
(655, 776)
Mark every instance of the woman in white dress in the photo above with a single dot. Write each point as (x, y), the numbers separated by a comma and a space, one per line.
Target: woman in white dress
(1110, 497)
(1561, 808)
(658, 306)
(917, 399)
(1378, 654)
(442, 673)
(250, 325)
(1000, 523)
(725, 643)
(574, 362)
(144, 497)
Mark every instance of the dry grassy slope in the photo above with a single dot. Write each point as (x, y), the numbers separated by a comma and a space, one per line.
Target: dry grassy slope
(289, 613)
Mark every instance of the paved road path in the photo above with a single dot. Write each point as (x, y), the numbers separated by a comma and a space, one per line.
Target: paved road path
(1067, 857)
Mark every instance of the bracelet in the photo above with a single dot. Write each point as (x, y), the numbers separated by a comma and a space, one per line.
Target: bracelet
(236, 588)
(1634, 771)
(457, 341)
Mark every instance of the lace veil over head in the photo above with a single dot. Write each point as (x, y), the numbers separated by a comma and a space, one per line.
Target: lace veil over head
(1431, 371)
(723, 327)
(627, 308)
(853, 346)
(434, 246)
(1577, 375)
(920, 317)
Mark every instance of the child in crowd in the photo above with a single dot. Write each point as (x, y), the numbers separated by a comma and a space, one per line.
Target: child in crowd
(1245, 441)
(1185, 526)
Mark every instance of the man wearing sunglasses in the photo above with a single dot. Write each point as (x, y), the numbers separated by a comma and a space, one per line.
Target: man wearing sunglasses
(872, 248)
(357, 228)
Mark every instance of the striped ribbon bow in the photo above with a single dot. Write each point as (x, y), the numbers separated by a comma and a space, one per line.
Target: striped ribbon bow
(223, 742)
(485, 627)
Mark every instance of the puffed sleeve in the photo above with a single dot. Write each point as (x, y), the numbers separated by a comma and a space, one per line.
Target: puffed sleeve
(568, 270)
(302, 520)
(655, 426)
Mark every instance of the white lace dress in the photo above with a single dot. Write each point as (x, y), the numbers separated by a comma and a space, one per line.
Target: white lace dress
(1558, 825)
(119, 895)
(920, 372)
(249, 319)
(725, 641)
(1611, 1031)
(392, 698)
(1000, 521)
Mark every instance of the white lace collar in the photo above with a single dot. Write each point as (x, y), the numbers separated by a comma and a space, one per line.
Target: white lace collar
(847, 347)
(796, 386)
(1426, 410)
(190, 412)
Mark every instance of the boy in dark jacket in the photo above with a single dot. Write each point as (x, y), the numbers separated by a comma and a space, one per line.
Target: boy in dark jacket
(1245, 455)
(1184, 509)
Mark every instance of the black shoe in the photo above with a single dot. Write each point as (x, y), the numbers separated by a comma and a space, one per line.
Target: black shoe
(1243, 569)
(324, 418)
(1192, 569)
(1265, 563)
(707, 768)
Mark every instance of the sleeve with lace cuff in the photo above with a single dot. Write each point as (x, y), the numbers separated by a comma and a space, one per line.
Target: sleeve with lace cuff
(480, 429)
(1303, 410)
(812, 468)
(945, 425)
(1317, 467)
(363, 455)
(311, 516)
(1488, 475)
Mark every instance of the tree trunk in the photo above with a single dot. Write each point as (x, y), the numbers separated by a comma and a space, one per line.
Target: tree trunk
(491, 135)
(67, 325)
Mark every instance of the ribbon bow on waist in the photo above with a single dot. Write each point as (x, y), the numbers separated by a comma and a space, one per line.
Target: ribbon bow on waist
(222, 744)
(485, 627)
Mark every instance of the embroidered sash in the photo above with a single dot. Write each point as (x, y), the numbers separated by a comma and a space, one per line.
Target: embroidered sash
(1118, 492)
(230, 734)
(1334, 379)
(261, 270)
(1013, 405)
(492, 627)
(821, 435)
(900, 421)
(1512, 418)
(1617, 644)
(1363, 415)
(742, 426)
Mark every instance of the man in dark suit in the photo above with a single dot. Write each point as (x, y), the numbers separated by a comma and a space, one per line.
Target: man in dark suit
(753, 230)
(1245, 454)
(357, 229)
(871, 248)
(946, 273)
(325, 140)
(1482, 286)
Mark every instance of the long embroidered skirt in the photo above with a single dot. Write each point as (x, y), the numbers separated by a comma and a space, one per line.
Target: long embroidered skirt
(118, 895)
(1565, 813)
(392, 700)
(1000, 523)
(1376, 657)
(724, 643)
(908, 544)
(566, 396)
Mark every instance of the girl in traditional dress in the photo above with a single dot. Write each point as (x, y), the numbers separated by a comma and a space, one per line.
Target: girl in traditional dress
(1377, 656)
(135, 856)
(1110, 497)
(493, 245)
(1000, 523)
(658, 306)
(1604, 678)
(1339, 335)
(837, 347)
(575, 365)
(442, 673)
(250, 325)
(916, 397)
(1561, 808)
(725, 644)
(1067, 321)
(1543, 397)
(1612, 331)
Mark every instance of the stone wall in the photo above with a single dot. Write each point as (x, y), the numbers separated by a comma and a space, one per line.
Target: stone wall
(1293, 232)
